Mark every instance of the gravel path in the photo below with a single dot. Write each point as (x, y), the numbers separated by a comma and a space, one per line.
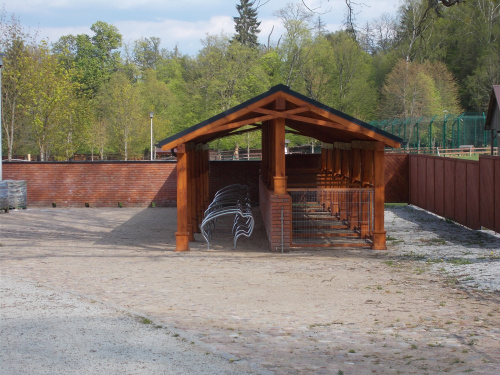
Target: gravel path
(470, 257)
(49, 332)
(76, 281)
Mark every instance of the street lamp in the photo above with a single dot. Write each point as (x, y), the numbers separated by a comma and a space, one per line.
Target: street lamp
(151, 117)
(1, 67)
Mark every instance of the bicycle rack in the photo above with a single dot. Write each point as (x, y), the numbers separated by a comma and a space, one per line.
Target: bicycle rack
(230, 200)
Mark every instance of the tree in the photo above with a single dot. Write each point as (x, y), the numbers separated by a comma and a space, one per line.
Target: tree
(415, 90)
(293, 51)
(15, 43)
(147, 52)
(229, 73)
(246, 25)
(95, 57)
(120, 107)
(155, 97)
(49, 95)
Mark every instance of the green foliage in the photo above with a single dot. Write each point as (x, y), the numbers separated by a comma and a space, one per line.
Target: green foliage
(95, 57)
(119, 107)
(246, 25)
(49, 102)
(414, 90)
(89, 95)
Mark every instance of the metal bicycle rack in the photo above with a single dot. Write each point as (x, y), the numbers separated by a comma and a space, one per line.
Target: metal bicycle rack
(230, 200)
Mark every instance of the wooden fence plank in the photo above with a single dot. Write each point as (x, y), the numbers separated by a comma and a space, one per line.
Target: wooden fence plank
(472, 181)
(413, 179)
(422, 168)
(449, 188)
(439, 186)
(496, 195)
(460, 193)
(486, 186)
(429, 186)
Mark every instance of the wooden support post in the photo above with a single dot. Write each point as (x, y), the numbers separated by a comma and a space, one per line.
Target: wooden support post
(366, 181)
(324, 158)
(337, 168)
(335, 204)
(199, 186)
(356, 165)
(206, 175)
(345, 163)
(182, 234)
(266, 156)
(191, 191)
(379, 233)
(366, 167)
(353, 211)
(279, 156)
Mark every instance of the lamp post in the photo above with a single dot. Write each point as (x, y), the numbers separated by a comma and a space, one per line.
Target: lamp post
(1, 67)
(151, 117)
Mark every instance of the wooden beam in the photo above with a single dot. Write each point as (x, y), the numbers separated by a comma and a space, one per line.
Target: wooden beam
(379, 233)
(366, 167)
(279, 156)
(343, 122)
(280, 104)
(342, 145)
(230, 118)
(279, 113)
(240, 132)
(368, 145)
(182, 234)
(191, 188)
(356, 165)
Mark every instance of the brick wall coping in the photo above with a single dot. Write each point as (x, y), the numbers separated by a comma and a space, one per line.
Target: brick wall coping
(90, 162)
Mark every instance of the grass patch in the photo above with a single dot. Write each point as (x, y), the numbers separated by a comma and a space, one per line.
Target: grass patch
(436, 345)
(414, 255)
(433, 241)
(145, 321)
(460, 261)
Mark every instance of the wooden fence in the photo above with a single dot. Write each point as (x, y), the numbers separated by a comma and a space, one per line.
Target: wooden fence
(464, 191)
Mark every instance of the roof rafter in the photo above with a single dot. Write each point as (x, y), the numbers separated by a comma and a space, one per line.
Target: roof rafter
(306, 116)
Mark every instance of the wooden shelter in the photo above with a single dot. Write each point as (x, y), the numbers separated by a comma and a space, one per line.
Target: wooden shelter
(352, 157)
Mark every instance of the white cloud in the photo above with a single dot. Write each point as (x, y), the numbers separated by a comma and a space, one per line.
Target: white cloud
(175, 32)
(181, 22)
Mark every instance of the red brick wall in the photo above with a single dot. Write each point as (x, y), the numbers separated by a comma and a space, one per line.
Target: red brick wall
(270, 208)
(138, 183)
(101, 184)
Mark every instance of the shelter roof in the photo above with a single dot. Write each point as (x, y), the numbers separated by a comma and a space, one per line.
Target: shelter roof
(493, 106)
(303, 115)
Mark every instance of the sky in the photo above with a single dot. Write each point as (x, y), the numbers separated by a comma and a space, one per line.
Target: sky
(182, 23)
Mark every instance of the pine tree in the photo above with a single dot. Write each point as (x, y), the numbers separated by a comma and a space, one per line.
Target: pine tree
(246, 24)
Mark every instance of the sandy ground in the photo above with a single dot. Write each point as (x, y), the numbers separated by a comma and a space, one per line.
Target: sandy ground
(428, 305)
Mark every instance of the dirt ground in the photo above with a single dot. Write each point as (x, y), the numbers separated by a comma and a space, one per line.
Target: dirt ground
(424, 306)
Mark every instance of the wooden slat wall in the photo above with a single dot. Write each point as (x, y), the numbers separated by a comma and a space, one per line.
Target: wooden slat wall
(489, 192)
(464, 191)
(397, 178)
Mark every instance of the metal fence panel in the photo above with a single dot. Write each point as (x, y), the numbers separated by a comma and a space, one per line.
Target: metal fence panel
(333, 217)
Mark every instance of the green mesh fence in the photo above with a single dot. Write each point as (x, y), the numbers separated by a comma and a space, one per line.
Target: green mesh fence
(443, 131)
